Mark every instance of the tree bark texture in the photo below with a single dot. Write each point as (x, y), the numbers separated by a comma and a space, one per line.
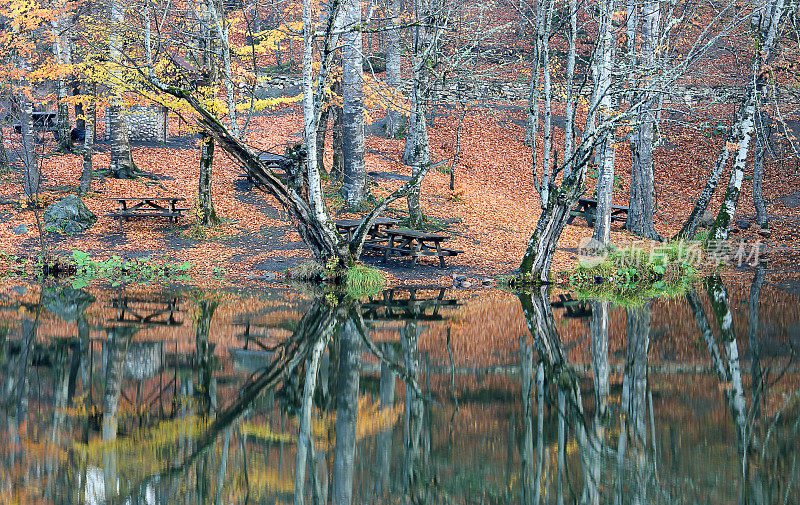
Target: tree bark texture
(354, 175)
(393, 68)
(642, 197)
(61, 50)
(765, 25)
(205, 205)
(605, 181)
(121, 162)
(30, 162)
(88, 145)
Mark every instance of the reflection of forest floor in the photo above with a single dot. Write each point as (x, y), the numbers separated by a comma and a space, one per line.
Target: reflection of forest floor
(490, 215)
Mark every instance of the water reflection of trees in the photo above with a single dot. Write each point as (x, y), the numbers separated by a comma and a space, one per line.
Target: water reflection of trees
(628, 469)
(306, 425)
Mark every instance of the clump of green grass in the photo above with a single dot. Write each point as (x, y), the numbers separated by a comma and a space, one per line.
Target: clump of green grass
(362, 280)
(632, 276)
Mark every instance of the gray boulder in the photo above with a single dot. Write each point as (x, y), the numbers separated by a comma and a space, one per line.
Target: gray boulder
(68, 215)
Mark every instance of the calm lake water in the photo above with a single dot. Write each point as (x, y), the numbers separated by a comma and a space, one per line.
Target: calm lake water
(158, 396)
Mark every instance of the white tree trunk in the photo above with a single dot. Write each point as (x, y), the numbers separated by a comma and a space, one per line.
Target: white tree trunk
(605, 182)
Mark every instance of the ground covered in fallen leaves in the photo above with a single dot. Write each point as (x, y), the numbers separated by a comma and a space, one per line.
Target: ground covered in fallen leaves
(490, 215)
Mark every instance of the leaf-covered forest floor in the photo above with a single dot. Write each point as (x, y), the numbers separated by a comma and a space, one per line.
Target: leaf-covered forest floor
(490, 215)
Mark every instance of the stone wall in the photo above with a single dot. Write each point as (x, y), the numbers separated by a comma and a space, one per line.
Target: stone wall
(145, 123)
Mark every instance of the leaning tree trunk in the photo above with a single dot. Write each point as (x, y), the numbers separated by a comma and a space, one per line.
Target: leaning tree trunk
(88, 145)
(743, 132)
(206, 213)
(642, 198)
(393, 68)
(354, 176)
(689, 228)
(535, 267)
(765, 27)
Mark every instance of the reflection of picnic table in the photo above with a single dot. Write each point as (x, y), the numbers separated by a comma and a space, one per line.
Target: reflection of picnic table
(577, 309)
(348, 227)
(388, 307)
(147, 207)
(143, 311)
(587, 209)
(405, 242)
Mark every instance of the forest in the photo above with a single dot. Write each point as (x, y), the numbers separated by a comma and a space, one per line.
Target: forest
(520, 134)
(407, 252)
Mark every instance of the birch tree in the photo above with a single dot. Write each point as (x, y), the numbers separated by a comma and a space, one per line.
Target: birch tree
(765, 25)
(595, 133)
(121, 160)
(353, 173)
(605, 178)
(61, 51)
(167, 79)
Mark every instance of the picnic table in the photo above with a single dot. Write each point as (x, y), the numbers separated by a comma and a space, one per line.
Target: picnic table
(587, 209)
(406, 242)
(349, 226)
(148, 207)
(275, 162)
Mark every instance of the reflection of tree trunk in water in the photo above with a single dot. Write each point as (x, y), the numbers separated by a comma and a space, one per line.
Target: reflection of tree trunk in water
(539, 430)
(346, 413)
(60, 371)
(634, 406)
(562, 447)
(719, 302)
(19, 388)
(304, 439)
(734, 394)
(555, 368)
(638, 327)
(414, 409)
(756, 373)
(223, 466)
(117, 351)
(86, 374)
(206, 385)
(384, 451)
(526, 455)
(599, 333)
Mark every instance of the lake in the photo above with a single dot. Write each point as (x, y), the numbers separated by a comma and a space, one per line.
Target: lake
(150, 395)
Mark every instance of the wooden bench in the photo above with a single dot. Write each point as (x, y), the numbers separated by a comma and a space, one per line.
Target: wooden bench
(587, 209)
(406, 242)
(147, 207)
